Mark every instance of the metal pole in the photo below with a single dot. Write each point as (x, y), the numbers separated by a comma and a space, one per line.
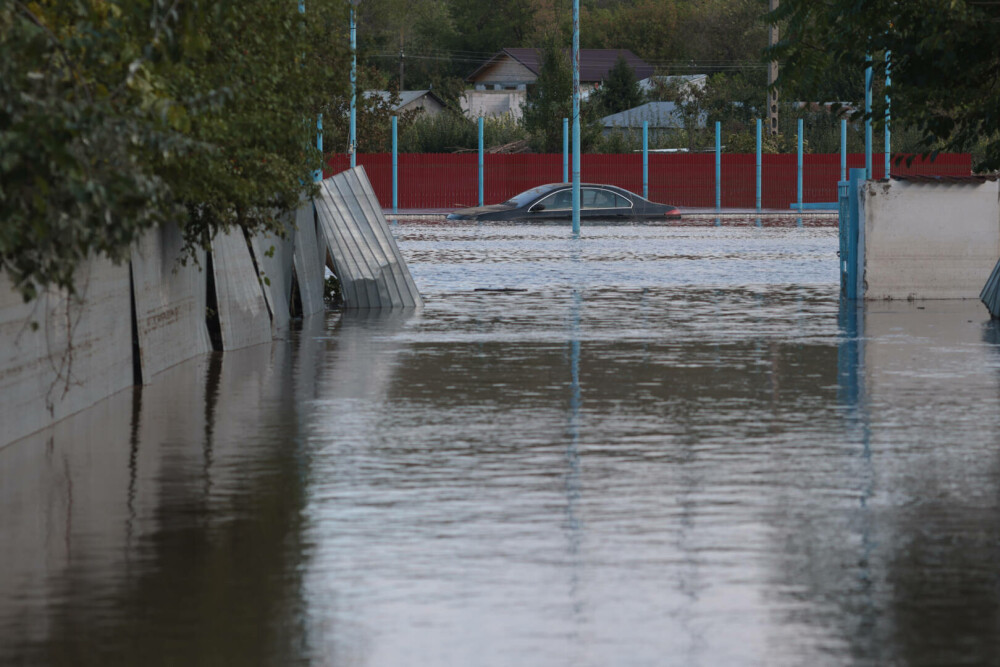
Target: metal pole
(481, 178)
(759, 162)
(718, 165)
(565, 150)
(645, 159)
(799, 165)
(353, 146)
(843, 149)
(576, 116)
(868, 117)
(888, 82)
(395, 164)
(772, 75)
(318, 176)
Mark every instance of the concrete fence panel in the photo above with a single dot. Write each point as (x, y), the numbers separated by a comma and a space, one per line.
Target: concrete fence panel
(929, 240)
(170, 302)
(367, 260)
(243, 316)
(308, 263)
(275, 256)
(80, 353)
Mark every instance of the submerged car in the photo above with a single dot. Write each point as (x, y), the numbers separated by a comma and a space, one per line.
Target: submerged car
(555, 202)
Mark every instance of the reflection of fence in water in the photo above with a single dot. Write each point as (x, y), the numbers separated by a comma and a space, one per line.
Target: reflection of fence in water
(450, 180)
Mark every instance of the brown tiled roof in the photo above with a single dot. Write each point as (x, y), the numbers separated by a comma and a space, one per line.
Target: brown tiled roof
(594, 63)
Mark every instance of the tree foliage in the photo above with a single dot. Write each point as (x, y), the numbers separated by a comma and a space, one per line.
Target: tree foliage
(945, 64)
(620, 91)
(119, 115)
(550, 100)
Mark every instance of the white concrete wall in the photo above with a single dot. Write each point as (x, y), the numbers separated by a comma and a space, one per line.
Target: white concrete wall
(80, 353)
(243, 316)
(929, 240)
(476, 103)
(170, 302)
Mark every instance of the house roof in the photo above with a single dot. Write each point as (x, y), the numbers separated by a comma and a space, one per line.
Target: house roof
(405, 96)
(594, 63)
(657, 114)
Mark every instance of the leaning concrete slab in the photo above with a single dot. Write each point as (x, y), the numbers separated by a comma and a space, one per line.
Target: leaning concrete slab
(371, 269)
(243, 315)
(80, 353)
(308, 265)
(170, 302)
(274, 260)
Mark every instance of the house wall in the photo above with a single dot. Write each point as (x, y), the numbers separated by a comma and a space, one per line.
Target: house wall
(476, 103)
(425, 104)
(929, 240)
(505, 71)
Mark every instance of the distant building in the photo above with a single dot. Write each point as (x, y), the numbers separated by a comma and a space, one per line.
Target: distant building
(663, 118)
(476, 103)
(516, 69)
(409, 100)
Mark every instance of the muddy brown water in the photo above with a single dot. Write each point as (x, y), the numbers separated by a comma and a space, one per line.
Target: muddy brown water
(673, 447)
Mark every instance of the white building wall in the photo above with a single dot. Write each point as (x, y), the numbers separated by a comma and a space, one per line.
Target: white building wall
(929, 240)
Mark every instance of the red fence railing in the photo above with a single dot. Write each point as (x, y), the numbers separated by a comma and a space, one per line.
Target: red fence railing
(450, 180)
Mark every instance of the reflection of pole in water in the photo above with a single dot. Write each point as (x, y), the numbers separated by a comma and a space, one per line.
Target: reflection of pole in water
(573, 455)
(852, 396)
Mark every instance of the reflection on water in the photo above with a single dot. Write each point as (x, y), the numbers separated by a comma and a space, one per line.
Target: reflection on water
(673, 447)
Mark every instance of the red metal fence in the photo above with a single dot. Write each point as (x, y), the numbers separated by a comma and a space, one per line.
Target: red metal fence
(450, 180)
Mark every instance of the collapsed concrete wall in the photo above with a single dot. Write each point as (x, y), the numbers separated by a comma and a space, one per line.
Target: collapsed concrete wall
(136, 321)
(368, 263)
(929, 240)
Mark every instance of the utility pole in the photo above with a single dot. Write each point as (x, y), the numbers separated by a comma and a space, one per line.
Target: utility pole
(772, 75)
(401, 72)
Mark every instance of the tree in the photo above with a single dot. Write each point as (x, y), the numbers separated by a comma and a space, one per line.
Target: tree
(620, 91)
(549, 100)
(945, 65)
(117, 117)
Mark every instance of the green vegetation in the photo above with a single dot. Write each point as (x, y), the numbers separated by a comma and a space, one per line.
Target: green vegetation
(944, 65)
(116, 116)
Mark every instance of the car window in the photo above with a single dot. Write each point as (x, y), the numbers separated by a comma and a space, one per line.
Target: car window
(594, 198)
(557, 200)
(526, 197)
(621, 202)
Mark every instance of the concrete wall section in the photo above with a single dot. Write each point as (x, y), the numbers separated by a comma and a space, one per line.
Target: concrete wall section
(274, 260)
(929, 240)
(170, 302)
(243, 315)
(368, 262)
(308, 264)
(80, 353)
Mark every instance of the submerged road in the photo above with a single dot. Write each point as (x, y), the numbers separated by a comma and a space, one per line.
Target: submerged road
(669, 446)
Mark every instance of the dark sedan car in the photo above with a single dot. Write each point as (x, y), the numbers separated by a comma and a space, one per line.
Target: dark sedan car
(555, 202)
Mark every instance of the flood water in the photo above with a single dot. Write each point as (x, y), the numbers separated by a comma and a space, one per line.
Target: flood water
(670, 446)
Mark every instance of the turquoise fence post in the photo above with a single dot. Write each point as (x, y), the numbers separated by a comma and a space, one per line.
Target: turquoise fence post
(645, 159)
(353, 146)
(759, 164)
(853, 231)
(843, 149)
(576, 117)
(481, 174)
(395, 164)
(318, 176)
(799, 169)
(565, 150)
(843, 215)
(718, 165)
(888, 83)
(868, 117)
